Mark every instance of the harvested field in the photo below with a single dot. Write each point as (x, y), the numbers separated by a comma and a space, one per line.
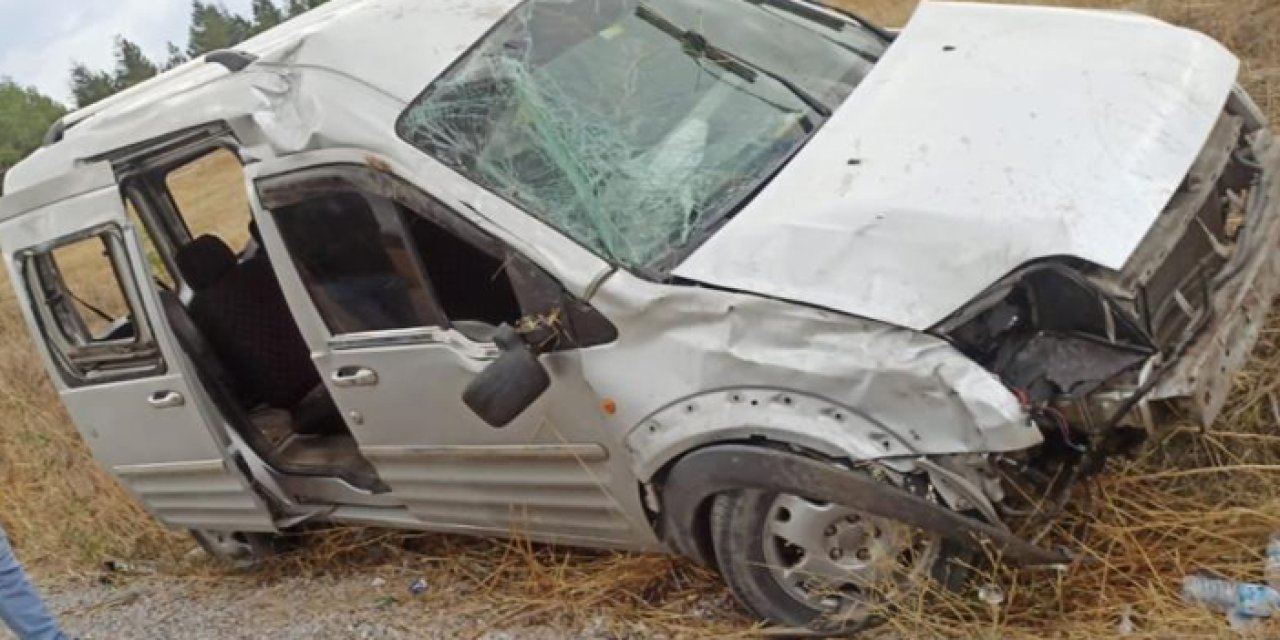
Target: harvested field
(1189, 502)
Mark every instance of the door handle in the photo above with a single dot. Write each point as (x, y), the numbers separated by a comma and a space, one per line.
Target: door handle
(354, 377)
(166, 400)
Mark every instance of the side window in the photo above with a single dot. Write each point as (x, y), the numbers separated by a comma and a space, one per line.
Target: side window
(209, 195)
(377, 253)
(89, 310)
(363, 259)
(351, 253)
(469, 284)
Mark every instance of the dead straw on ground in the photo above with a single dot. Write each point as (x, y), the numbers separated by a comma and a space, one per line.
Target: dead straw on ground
(1190, 502)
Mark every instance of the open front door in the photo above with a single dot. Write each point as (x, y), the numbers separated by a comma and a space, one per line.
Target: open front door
(399, 297)
(86, 290)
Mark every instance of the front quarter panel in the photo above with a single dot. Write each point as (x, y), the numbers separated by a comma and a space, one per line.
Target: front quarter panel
(693, 366)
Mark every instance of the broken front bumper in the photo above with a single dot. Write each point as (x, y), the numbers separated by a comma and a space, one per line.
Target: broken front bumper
(1201, 378)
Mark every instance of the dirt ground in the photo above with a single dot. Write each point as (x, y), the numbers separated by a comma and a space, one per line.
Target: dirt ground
(1189, 503)
(372, 606)
(362, 584)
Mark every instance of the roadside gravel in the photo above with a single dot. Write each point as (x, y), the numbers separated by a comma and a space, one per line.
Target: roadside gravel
(364, 607)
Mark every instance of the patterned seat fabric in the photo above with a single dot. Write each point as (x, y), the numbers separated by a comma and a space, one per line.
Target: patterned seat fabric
(242, 312)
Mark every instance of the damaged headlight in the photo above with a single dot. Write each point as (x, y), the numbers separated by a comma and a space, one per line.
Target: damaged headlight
(1051, 335)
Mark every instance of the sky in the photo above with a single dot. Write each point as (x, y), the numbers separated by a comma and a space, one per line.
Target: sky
(41, 39)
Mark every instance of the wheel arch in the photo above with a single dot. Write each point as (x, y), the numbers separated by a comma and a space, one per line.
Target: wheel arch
(696, 543)
(769, 417)
(690, 484)
(783, 416)
(787, 420)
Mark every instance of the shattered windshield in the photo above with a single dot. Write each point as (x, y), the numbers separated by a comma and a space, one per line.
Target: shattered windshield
(633, 126)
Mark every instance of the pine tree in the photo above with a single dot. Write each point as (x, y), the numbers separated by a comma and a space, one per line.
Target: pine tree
(213, 27)
(299, 7)
(176, 57)
(266, 15)
(132, 66)
(89, 86)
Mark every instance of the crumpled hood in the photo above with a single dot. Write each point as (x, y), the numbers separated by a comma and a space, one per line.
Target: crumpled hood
(987, 136)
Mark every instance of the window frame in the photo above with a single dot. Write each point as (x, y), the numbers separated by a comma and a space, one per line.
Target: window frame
(142, 172)
(144, 217)
(190, 156)
(533, 286)
(96, 361)
(428, 306)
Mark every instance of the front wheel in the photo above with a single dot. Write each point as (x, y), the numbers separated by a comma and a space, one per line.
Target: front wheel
(821, 566)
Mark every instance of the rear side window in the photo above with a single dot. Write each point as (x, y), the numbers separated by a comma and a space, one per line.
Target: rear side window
(89, 310)
(351, 253)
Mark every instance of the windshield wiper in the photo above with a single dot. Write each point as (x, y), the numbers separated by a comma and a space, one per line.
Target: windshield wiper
(695, 44)
(814, 15)
(866, 24)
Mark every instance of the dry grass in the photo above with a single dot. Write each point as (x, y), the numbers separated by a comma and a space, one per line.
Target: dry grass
(1190, 502)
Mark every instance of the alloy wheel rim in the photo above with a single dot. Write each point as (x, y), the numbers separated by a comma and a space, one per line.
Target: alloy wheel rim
(840, 561)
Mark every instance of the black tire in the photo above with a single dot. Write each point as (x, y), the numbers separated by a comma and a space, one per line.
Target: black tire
(737, 524)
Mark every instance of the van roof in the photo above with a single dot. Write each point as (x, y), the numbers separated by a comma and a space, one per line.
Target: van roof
(384, 48)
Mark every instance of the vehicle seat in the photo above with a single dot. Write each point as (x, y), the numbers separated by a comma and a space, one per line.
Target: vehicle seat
(242, 312)
(216, 380)
(210, 370)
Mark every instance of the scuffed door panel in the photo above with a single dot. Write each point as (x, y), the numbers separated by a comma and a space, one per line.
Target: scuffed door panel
(127, 387)
(548, 476)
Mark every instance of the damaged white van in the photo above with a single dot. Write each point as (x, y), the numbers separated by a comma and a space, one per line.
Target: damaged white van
(827, 307)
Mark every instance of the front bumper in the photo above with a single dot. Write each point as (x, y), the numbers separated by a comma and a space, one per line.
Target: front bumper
(1201, 379)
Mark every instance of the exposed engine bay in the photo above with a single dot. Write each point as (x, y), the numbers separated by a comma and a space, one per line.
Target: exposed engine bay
(1102, 359)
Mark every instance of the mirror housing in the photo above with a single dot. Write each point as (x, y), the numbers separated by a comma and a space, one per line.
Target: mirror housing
(510, 384)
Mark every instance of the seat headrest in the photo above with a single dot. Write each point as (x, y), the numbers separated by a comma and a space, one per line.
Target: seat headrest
(204, 261)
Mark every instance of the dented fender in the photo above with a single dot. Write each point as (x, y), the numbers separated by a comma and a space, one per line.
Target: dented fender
(695, 366)
(774, 414)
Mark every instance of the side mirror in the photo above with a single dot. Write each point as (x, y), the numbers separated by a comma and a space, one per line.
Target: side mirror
(508, 386)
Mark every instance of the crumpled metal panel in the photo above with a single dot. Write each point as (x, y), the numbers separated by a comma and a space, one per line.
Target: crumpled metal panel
(987, 136)
(395, 47)
(1204, 374)
(697, 345)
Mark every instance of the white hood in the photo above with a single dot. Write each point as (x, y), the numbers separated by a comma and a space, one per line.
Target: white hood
(987, 136)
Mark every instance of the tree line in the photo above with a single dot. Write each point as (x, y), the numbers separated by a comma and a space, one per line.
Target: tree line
(213, 27)
(25, 114)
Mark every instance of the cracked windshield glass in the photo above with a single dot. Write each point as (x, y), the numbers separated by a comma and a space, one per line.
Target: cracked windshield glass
(633, 127)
